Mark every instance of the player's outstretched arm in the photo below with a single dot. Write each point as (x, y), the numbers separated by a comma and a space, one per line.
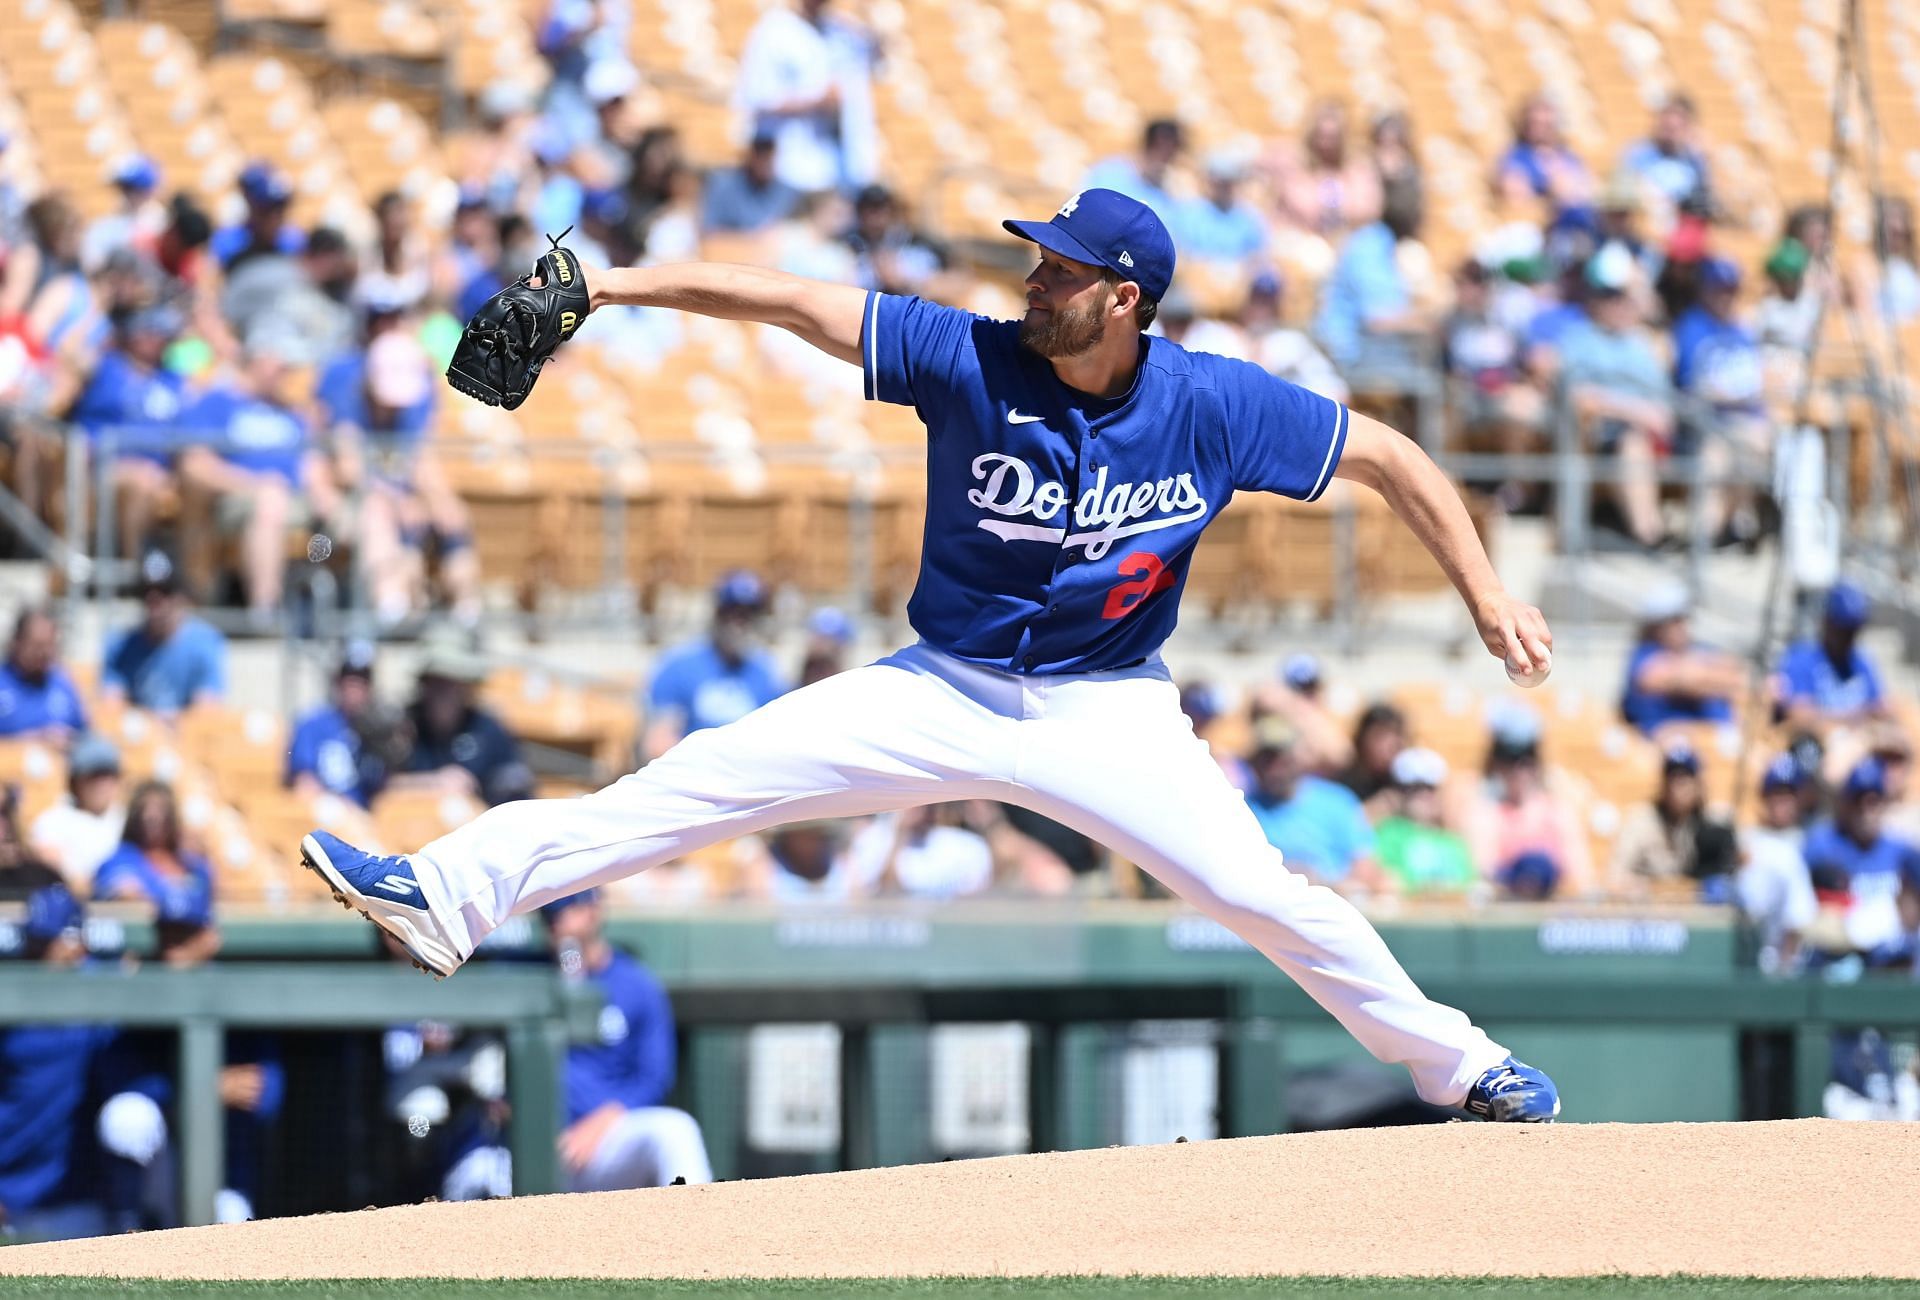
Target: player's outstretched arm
(1396, 468)
(825, 315)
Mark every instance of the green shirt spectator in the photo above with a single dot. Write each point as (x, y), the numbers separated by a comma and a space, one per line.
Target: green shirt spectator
(1413, 848)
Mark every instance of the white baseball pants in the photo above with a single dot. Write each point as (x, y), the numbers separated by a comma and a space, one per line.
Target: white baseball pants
(1109, 754)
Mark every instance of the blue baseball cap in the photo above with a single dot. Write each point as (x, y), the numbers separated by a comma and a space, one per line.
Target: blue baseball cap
(1106, 228)
(1869, 776)
(1719, 273)
(137, 173)
(550, 910)
(1681, 757)
(831, 623)
(740, 590)
(1300, 671)
(264, 183)
(1783, 773)
(1847, 605)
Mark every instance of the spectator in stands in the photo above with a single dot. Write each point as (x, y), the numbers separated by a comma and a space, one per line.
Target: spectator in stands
(1496, 401)
(1378, 738)
(829, 637)
(799, 863)
(263, 474)
(1413, 844)
(724, 676)
(1891, 281)
(400, 274)
(1783, 322)
(1205, 705)
(308, 296)
(1616, 386)
(38, 701)
(1317, 824)
(1832, 680)
(1718, 361)
(1670, 676)
(1866, 881)
(77, 835)
(1221, 228)
(266, 229)
(171, 660)
(457, 746)
(611, 86)
(22, 872)
(889, 254)
(1772, 887)
(1148, 174)
(133, 395)
(1395, 159)
(672, 227)
(48, 1073)
(658, 156)
(471, 250)
(1520, 822)
(747, 199)
(1539, 165)
(62, 312)
(378, 404)
(154, 866)
(924, 852)
(1279, 348)
(1674, 838)
(138, 222)
(618, 1133)
(1669, 163)
(1299, 696)
(1368, 318)
(330, 752)
(1323, 188)
(804, 81)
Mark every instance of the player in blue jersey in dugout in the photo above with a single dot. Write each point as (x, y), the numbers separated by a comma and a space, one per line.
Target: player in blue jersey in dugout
(1073, 461)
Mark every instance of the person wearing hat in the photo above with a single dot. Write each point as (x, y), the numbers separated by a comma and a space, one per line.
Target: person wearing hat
(1073, 462)
(134, 398)
(1867, 881)
(1218, 227)
(266, 230)
(252, 464)
(1299, 696)
(1717, 359)
(1829, 679)
(48, 1076)
(1283, 350)
(1520, 820)
(136, 224)
(618, 1132)
(1772, 887)
(38, 700)
(891, 255)
(309, 294)
(748, 198)
(1619, 389)
(330, 752)
(1670, 676)
(720, 677)
(1483, 354)
(1673, 838)
(1669, 162)
(1145, 176)
(1318, 824)
(172, 659)
(1413, 844)
(829, 638)
(83, 830)
(456, 744)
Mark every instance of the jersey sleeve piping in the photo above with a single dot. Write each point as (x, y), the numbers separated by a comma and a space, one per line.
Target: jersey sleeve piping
(1335, 445)
(869, 351)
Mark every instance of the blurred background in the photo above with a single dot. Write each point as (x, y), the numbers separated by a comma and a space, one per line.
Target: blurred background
(1640, 274)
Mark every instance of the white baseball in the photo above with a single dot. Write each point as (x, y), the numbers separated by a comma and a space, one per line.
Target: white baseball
(1531, 677)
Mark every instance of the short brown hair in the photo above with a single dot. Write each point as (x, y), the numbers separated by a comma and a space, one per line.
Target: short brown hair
(1148, 308)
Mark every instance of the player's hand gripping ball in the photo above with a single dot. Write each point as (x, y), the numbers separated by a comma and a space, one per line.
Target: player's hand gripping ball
(1530, 676)
(1516, 632)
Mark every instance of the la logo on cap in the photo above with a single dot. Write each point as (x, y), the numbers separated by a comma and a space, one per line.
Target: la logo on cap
(1066, 209)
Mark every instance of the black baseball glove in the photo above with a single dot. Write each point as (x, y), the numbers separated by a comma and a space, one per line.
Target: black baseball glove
(514, 332)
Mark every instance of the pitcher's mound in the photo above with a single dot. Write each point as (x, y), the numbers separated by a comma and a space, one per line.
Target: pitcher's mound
(1799, 1198)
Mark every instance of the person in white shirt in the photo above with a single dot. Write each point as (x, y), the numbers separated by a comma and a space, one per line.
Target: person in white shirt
(1773, 887)
(83, 830)
(799, 83)
(922, 853)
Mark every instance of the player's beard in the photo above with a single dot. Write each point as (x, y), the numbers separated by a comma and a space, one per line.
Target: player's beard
(1070, 332)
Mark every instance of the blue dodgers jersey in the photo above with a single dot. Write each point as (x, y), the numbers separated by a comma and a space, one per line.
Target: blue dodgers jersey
(1060, 526)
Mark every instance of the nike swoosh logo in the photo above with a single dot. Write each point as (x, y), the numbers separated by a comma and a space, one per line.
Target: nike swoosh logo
(1014, 417)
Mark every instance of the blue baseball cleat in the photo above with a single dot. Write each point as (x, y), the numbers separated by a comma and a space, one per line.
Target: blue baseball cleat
(383, 890)
(1512, 1093)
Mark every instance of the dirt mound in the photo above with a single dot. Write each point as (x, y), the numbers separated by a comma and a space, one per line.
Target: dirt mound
(1799, 1198)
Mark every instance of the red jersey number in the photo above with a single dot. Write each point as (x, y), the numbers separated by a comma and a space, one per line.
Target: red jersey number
(1148, 575)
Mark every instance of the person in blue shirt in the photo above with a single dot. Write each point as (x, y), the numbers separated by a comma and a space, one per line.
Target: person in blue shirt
(723, 676)
(1668, 161)
(266, 230)
(1318, 824)
(48, 1076)
(618, 1132)
(1539, 165)
(328, 754)
(132, 396)
(171, 660)
(1831, 679)
(1670, 676)
(1219, 227)
(1367, 317)
(250, 449)
(1717, 360)
(1143, 176)
(154, 866)
(456, 744)
(747, 199)
(37, 698)
(1074, 461)
(1866, 875)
